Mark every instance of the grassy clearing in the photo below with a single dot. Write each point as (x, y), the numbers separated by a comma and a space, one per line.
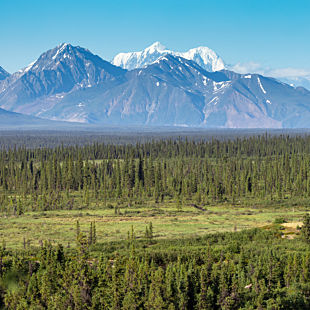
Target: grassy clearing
(168, 222)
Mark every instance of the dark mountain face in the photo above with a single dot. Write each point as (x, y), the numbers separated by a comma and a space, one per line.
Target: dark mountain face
(3, 74)
(70, 83)
(57, 72)
(161, 94)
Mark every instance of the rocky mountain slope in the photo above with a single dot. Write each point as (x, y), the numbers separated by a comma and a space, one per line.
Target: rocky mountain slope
(3, 74)
(69, 83)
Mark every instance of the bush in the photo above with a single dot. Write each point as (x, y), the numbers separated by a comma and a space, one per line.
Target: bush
(306, 228)
(279, 220)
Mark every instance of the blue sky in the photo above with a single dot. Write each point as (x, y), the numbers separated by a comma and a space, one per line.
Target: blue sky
(273, 33)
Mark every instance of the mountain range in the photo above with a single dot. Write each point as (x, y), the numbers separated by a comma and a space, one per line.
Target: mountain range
(154, 87)
(210, 61)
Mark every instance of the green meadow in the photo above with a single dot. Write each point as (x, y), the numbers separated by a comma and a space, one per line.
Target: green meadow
(169, 221)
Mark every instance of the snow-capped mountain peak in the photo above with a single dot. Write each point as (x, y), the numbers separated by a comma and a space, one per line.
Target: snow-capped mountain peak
(134, 60)
(156, 46)
(204, 56)
(60, 50)
(50, 58)
(60, 70)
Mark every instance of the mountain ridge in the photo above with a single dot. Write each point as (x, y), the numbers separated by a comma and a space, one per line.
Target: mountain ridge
(69, 83)
(60, 70)
(3, 74)
(204, 56)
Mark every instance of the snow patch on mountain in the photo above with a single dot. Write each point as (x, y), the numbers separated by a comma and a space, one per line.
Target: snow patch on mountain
(291, 76)
(60, 49)
(261, 85)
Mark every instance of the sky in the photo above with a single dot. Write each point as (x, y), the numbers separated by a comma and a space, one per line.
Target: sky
(259, 33)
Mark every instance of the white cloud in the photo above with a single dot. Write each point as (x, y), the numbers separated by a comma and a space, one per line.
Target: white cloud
(292, 76)
(247, 67)
(289, 73)
(253, 67)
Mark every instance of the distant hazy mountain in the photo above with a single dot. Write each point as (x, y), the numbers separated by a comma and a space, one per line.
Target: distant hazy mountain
(12, 120)
(297, 81)
(204, 56)
(3, 74)
(71, 84)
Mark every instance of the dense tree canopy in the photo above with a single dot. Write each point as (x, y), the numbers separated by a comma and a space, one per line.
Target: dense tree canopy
(262, 167)
(254, 269)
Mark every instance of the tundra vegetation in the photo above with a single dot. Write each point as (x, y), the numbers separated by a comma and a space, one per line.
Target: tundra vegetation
(162, 223)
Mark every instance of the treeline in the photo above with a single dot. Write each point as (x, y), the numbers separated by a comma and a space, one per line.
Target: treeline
(253, 269)
(262, 167)
(31, 139)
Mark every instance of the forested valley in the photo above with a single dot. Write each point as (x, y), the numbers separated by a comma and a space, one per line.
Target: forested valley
(109, 203)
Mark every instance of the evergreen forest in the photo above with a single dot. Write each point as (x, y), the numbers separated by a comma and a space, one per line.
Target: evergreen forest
(238, 236)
